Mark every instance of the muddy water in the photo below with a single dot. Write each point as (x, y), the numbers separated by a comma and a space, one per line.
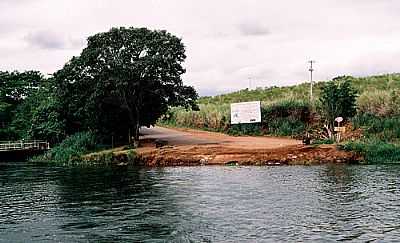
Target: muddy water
(199, 204)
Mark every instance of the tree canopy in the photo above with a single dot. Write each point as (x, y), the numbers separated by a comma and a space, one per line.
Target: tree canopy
(125, 78)
(15, 88)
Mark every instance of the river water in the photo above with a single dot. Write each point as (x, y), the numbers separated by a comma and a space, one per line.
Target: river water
(41, 203)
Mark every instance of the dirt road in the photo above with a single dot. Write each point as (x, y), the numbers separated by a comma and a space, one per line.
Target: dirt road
(179, 137)
(183, 147)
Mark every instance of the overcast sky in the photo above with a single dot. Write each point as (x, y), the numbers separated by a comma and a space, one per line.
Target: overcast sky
(227, 41)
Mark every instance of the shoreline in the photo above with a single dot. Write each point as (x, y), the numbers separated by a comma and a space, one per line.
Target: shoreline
(215, 155)
(187, 147)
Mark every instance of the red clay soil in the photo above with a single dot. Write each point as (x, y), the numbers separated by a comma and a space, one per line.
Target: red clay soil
(184, 147)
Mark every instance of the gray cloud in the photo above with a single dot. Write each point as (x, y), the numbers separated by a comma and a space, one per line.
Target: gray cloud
(253, 29)
(52, 41)
(45, 40)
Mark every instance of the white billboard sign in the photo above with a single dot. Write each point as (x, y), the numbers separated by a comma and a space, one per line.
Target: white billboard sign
(246, 112)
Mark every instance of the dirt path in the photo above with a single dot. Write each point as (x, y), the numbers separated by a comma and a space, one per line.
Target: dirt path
(179, 137)
(194, 147)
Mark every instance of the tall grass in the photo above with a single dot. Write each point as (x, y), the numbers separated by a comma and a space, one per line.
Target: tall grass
(375, 151)
(70, 150)
(301, 91)
(386, 129)
(283, 118)
(381, 142)
(209, 117)
(382, 103)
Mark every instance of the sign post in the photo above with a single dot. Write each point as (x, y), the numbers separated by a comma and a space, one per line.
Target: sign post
(339, 129)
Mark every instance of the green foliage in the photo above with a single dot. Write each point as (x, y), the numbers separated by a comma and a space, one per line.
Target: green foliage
(245, 129)
(338, 98)
(381, 142)
(375, 151)
(39, 116)
(71, 149)
(267, 94)
(301, 91)
(375, 127)
(323, 141)
(382, 103)
(125, 78)
(15, 88)
(47, 123)
(131, 155)
(286, 118)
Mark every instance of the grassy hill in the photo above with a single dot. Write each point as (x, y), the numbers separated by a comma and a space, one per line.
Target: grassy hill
(370, 84)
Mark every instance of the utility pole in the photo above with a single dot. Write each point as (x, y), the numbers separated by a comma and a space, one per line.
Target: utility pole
(311, 79)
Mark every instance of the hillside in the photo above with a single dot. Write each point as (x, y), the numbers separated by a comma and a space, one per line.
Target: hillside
(301, 91)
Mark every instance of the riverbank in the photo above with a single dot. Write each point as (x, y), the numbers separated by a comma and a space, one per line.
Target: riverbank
(183, 147)
(160, 146)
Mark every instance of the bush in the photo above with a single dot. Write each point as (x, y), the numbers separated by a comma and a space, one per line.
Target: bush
(375, 151)
(71, 149)
(338, 98)
(245, 129)
(286, 118)
(131, 155)
(385, 129)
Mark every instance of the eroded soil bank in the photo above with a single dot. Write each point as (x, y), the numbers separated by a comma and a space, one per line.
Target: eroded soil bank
(185, 147)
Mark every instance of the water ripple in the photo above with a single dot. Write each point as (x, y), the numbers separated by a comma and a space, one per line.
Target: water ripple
(199, 204)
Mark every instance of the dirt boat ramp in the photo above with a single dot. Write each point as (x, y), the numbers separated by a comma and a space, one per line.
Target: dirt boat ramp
(185, 147)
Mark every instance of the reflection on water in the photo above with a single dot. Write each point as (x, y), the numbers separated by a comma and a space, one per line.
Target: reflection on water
(199, 204)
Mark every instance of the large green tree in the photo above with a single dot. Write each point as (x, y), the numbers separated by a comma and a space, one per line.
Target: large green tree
(125, 78)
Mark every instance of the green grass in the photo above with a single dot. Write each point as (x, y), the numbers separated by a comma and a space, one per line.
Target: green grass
(375, 151)
(381, 142)
(386, 129)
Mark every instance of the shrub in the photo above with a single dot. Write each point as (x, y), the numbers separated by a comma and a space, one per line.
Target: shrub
(375, 151)
(245, 129)
(286, 118)
(131, 155)
(385, 129)
(338, 98)
(71, 149)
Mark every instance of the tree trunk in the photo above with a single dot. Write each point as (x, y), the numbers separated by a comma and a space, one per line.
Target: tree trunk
(137, 127)
(328, 131)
